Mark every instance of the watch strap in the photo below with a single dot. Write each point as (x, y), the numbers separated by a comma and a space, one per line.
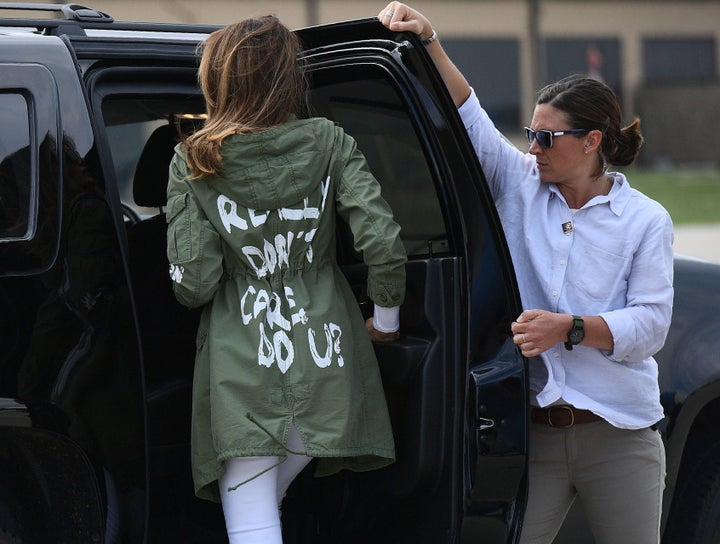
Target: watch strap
(578, 324)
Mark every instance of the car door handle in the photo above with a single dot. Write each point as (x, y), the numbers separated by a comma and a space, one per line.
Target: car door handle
(484, 424)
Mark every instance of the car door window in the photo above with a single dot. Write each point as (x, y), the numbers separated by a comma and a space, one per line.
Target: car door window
(31, 161)
(371, 111)
(16, 203)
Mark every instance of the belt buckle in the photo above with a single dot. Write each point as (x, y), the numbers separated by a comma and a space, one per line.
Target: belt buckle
(562, 407)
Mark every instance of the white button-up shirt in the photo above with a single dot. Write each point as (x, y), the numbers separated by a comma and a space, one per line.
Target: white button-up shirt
(614, 259)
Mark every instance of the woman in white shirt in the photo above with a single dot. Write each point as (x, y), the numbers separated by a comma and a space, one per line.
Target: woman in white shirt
(594, 263)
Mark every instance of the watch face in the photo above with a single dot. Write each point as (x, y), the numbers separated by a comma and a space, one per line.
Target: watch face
(576, 334)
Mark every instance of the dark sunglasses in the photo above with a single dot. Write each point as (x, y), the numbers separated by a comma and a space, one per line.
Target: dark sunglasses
(544, 138)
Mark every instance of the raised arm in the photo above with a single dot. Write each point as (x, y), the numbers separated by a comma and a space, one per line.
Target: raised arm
(400, 17)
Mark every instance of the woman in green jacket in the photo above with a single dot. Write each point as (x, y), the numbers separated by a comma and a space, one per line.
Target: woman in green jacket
(285, 370)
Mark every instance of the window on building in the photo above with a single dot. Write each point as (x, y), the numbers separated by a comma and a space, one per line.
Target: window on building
(679, 59)
(598, 58)
(492, 68)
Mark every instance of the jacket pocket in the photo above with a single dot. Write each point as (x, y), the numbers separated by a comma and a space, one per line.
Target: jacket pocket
(179, 241)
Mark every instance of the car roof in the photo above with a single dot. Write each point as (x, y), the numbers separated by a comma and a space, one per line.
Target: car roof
(74, 20)
(77, 20)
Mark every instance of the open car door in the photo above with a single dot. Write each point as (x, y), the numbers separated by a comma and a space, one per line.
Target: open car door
(455, 382)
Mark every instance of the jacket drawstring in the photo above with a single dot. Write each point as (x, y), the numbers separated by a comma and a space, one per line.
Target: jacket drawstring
(280, 462)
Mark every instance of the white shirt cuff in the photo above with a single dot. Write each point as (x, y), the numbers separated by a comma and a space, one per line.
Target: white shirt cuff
(386, 319)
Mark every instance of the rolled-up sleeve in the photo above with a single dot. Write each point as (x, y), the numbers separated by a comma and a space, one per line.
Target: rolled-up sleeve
(639, 330)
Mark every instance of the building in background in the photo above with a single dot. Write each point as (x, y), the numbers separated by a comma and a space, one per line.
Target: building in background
(660, 56)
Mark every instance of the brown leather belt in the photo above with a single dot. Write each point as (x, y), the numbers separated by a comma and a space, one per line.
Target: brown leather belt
(562, 416)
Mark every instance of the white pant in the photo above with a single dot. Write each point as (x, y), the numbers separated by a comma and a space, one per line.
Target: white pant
(252, 510)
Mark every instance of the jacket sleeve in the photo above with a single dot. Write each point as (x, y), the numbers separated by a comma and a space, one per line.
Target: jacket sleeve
(194, 249)
(376, 234)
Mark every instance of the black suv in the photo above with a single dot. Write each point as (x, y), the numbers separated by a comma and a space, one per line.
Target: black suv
(97, 356)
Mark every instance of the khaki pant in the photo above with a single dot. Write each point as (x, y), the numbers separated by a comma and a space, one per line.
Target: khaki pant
(619, 476)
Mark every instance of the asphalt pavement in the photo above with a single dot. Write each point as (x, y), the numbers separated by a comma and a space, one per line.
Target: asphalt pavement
(702, 241)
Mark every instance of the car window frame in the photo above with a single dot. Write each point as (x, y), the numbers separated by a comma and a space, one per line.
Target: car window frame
(29, 254)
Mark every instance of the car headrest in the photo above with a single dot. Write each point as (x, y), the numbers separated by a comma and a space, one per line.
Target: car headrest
(151, 173)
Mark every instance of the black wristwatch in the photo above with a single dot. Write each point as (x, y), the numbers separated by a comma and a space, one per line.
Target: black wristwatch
(576, 334)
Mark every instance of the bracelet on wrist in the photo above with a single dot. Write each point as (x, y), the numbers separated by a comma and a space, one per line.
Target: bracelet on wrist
(429, 40)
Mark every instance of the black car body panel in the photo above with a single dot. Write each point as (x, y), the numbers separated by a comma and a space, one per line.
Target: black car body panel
(97, 363)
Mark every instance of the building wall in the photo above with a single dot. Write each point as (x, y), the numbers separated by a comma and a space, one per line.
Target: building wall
(626, 25)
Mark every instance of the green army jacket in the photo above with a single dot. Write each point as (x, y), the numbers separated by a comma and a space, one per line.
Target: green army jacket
(281, 339)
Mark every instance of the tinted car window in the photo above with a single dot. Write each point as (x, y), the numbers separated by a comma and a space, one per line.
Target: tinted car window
(32, 158)
(368, 109)
(126, 143)
(16, 203)
(373, 113)
(137, 157)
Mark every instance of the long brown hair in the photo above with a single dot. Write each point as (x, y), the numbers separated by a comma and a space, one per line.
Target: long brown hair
(252, 79)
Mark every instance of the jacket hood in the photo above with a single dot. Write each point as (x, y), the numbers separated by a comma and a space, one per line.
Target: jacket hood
(276, 168)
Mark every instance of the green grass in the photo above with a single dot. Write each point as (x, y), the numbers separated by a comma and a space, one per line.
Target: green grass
(689, 197)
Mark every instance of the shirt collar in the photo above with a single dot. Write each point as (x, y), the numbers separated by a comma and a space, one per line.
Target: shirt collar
(619, 194)
(617, 199)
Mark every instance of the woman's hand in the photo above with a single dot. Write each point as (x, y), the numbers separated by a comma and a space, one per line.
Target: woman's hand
(378, 336)
(402, 18)
(536, 331)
